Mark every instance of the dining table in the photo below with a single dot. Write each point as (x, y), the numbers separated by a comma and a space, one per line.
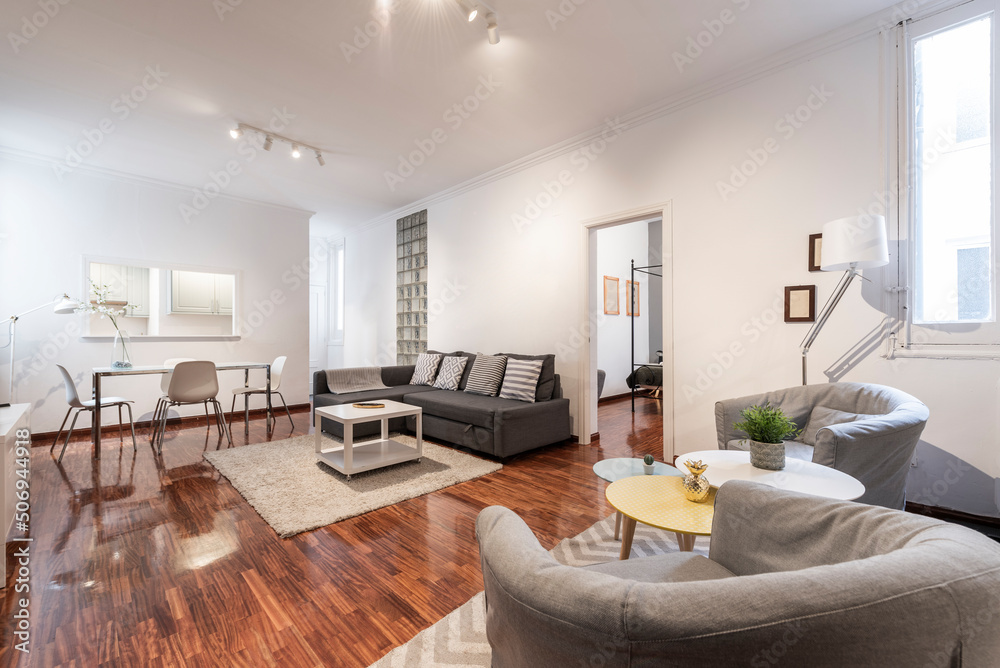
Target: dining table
(101, 372)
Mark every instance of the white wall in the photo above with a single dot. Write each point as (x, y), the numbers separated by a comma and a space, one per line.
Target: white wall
(522, 286)
(616, 247)
(47, 226)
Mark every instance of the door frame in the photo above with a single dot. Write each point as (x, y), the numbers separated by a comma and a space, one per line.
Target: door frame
(588, 385)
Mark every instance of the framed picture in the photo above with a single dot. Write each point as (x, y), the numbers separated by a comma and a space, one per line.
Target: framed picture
(815, 252)
(611, 295)
(800, 303)
(631, 299)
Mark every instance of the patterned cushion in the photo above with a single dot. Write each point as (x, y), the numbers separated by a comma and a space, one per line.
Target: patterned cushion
(450, 373)
(426, 369)
(520, 379)
(486, 375)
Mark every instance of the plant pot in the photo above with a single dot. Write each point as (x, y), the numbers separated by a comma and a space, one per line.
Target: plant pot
(648, 469)
(121, 356)
(767, 456)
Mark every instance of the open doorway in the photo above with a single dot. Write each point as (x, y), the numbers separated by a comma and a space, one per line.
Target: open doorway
(630, 315)
(630, 335)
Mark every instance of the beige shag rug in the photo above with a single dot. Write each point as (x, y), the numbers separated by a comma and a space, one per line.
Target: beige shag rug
(460, 638)
(293, 492)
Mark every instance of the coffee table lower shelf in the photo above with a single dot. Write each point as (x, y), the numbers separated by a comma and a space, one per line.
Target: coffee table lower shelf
(368, 456)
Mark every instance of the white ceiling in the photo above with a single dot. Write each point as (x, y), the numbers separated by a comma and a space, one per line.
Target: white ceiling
(608, 57)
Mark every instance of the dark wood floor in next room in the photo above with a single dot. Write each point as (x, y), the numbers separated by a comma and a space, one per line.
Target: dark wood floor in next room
(143, 560)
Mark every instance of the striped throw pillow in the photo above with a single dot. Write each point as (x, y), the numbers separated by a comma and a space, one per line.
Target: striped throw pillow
(426, 369)
(486, 375)
(520, 379)
(450, 373)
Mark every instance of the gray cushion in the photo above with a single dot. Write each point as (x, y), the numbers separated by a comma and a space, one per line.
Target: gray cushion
(450, 373)
(520, 380)
(671, 567)
(426, 368)
(462, 407)
(822, 416)
(793, 449)
(487, 374)
(547, 379)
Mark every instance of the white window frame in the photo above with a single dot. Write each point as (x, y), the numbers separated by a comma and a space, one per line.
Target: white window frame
(337, 280)
(909, 339)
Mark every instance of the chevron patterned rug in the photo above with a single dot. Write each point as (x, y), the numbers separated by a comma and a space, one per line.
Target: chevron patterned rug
(460, 638)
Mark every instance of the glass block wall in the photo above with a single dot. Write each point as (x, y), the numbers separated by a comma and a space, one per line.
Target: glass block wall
(411, 287)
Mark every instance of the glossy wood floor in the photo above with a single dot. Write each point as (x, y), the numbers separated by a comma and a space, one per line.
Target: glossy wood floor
(143, 560)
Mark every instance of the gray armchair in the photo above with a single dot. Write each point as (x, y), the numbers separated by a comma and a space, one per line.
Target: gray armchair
(796, 578)
(876, 448)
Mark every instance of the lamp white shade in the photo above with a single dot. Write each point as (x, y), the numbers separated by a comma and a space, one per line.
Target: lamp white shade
(65, 305)
(858, 241)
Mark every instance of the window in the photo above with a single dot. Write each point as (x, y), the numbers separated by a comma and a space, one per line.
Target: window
(947, 251)
(337, 292)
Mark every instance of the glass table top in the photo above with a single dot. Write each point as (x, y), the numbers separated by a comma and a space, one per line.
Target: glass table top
(626, 467)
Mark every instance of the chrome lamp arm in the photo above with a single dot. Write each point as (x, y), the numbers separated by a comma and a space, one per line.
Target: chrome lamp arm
(831, 304)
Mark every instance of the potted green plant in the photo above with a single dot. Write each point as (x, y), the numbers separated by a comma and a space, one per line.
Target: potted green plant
(767, 428)
(648, 466)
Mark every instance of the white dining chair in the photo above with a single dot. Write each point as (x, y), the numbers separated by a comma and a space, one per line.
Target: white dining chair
(164, 386)
(276, 368)
(195, 382)
(75, 403)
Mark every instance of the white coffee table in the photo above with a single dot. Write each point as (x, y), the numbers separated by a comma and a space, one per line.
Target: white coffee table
(797, 476)
(349, 458)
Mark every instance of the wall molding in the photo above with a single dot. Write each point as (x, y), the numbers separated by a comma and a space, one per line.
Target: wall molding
(42, 160)
(795, 55)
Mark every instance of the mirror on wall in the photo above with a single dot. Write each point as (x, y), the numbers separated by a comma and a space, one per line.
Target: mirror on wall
(162, 301)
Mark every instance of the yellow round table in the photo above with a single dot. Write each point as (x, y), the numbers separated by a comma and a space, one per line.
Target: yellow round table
(659, 502)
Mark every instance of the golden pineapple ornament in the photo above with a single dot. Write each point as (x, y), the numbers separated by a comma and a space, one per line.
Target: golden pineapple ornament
(696, 487)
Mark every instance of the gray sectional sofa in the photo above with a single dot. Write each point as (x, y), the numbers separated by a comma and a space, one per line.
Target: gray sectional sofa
(494, 426)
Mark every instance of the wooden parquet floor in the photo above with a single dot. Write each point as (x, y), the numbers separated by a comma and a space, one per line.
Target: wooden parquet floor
(143, 560)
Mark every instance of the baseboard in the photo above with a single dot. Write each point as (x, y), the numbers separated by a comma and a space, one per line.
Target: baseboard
(614, 397)
(45, 437)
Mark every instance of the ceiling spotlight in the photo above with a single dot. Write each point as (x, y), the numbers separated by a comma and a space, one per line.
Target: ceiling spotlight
(471, 11)
(235, 133)
(295, 151)
(491, 28)
(268, 142)
(320, 160)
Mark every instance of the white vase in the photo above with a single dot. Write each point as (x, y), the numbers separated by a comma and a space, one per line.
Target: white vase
(121, 355)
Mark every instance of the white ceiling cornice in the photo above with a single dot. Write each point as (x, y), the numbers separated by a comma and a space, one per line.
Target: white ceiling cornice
(125, 177)
(826, 43)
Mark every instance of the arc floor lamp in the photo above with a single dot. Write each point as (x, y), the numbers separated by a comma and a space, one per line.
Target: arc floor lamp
(62, 305)
(849, 245)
